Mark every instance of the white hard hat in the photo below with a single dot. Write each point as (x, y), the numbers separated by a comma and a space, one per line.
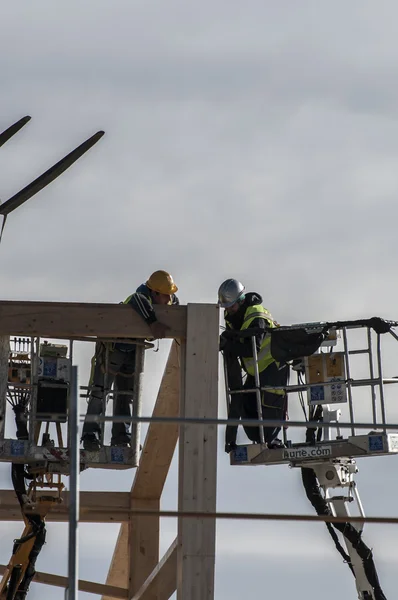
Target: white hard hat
(230, 292)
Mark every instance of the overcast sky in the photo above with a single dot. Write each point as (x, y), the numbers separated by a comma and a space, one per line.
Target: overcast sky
(253, 140)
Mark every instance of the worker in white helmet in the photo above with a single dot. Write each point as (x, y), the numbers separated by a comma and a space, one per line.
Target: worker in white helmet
(243, 311)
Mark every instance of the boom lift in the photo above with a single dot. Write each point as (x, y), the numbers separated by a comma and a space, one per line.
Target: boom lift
(38, 392)
(35, 505)
(328, 461)
(34, 502)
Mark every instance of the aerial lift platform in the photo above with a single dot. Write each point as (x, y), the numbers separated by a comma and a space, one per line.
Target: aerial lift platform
(39, 376)
(39, 391)
(327, 457)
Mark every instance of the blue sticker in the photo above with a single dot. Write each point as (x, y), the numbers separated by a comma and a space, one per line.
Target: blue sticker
(117, 454)
(17, 448)
(376, 443)
(317, 393)
(240, 454)
(49, 366)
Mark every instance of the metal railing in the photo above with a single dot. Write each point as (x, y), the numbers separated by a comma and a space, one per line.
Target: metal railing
(375, 380)
(26, 392)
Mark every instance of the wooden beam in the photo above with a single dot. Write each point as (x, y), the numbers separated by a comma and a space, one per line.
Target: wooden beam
(161, 438)
(84, 586)
(68, 319)
(198, 456)
(119, 569)
(95, 507)
(150, 477)
(162, 582)
(144, 535)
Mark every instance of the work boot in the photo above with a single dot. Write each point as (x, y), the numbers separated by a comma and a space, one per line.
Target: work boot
(91, 442)
(121, 440)
(276, 443)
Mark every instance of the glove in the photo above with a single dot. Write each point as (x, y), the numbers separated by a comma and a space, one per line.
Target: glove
(380, 325)
(158, 330)
(230, 447)
(223, 342)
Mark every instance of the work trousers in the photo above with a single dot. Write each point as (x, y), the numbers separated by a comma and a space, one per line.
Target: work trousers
(244, 405)
(119, 372)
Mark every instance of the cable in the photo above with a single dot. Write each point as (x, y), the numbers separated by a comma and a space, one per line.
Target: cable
(351, 533)
(245, 422)
(255, 516)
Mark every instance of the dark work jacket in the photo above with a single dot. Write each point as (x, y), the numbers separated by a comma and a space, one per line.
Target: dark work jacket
(141, 302)
(244, 348)
(235, 349)
(275, 374)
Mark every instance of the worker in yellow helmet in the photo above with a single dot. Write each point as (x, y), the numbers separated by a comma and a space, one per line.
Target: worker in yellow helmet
(244, 310)
(158, 289)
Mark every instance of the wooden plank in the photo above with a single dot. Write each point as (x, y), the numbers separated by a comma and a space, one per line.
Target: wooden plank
(144, 535)
(4, 354)
(162, 582)
(198, 456)
(84, 586)
(161, 438)
(118, 571)
(95, 507)
(68, 319)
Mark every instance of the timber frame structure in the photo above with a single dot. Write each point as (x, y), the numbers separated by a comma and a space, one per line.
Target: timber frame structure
(189, 388)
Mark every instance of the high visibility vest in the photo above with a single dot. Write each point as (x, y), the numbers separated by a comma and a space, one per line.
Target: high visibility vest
(131, 295)
(264, 357)
(112, 345)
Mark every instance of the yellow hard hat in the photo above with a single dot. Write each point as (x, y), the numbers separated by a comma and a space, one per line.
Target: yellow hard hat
(162, 282)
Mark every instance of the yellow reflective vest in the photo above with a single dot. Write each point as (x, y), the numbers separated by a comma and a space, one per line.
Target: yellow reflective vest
(264, 357)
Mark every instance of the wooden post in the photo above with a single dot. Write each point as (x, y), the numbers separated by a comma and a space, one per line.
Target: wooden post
(118, 571)
(144, 535)
(198, 455)
(4, 355)
(161, 583)
(151, 474)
